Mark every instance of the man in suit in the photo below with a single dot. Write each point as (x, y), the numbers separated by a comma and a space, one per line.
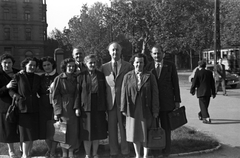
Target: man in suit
(78, 55)
(222, 76)
(114, 72)
(168, 87)
(204, 82)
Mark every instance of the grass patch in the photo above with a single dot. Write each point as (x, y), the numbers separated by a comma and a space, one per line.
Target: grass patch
(184, 140)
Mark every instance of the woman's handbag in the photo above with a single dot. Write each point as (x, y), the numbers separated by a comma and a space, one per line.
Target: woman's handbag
(156, 138)
(177, 118)
(57, 131)
(12, 112)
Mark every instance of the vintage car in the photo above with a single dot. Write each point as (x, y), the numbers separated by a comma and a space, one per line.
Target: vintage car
(231, 80)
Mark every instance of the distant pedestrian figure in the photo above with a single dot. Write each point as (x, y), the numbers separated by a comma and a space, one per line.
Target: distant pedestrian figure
(204, 82)
(222, 76)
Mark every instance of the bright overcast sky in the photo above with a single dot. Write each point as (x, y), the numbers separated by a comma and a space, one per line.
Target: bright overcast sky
(59, 12)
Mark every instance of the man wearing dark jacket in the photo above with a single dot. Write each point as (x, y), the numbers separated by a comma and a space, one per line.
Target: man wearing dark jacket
(204, 82)
(168, 87)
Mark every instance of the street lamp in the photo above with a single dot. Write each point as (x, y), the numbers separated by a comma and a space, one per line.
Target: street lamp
(216, 32)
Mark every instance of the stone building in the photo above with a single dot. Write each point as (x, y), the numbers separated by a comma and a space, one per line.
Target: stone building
(23, 28)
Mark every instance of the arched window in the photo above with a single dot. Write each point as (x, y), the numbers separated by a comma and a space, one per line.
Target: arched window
(7, 33)
(6, 14)
(27, 15)
(28, 34)
(28, 54)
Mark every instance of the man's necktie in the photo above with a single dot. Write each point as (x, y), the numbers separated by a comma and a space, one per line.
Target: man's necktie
(158, 69)
(115, 69)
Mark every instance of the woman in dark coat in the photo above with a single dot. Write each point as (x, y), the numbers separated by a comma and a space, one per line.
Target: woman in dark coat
(92, 105)
(48, 65)
(26, 92)
(139, 103)
(8, 131)
(64, 97)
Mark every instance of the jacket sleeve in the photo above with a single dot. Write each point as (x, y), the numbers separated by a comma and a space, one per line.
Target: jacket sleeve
(194, 83)
(57, 97)
(155, 95)
(123, 107)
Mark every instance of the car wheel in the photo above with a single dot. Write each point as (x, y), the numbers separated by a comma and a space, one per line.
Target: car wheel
(234, 86)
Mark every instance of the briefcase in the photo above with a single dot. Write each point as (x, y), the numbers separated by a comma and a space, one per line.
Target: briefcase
(156, 138)
(177, 118)
(57, 131)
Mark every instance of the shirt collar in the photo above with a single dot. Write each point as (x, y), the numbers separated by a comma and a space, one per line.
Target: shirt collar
(118, 62)
(51, 73)
(158, 63)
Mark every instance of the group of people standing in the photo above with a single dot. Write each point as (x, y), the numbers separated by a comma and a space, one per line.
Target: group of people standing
(119, 97)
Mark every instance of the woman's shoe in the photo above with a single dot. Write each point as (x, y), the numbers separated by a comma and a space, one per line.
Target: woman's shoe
(95, 156)
(12, 154)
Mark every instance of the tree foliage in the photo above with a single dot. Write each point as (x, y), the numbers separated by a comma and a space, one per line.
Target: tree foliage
(181, 27)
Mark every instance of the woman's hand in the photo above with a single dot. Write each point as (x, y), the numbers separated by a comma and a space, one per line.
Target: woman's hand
(11, 84)
(78, 112)
(56, 117)
(155, 115)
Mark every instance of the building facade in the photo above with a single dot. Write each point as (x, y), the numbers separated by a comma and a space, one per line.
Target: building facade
(23, 28)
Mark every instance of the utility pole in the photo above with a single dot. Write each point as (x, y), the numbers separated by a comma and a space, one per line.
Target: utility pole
(216, 32)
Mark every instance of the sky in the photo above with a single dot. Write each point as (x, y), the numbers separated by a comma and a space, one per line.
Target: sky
(59, 12)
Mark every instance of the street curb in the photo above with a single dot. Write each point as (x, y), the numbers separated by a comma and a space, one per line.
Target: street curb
(196, 152)
(171, 155)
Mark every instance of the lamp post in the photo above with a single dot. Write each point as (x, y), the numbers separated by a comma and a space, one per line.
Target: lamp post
(216, 32)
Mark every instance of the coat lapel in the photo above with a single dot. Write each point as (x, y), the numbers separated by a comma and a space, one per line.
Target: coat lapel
(26, 81)
(163, 70)
(145, 77)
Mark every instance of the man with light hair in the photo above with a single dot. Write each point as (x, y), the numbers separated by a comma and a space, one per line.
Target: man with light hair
(114, 72)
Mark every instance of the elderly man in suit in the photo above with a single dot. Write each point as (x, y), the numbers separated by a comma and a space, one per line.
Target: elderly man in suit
(222, 76)
(114, 72)
(168, 87)
(204, 82)
(78, 55)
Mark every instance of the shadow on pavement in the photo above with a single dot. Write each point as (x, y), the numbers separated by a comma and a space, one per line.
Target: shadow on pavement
(224, 121)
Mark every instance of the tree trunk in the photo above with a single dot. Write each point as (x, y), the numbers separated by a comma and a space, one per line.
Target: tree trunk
(191, 60)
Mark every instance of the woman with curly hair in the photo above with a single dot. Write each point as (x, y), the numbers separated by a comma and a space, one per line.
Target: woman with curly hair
(64, 96)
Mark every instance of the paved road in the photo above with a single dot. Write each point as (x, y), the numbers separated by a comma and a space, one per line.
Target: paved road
(225, 114)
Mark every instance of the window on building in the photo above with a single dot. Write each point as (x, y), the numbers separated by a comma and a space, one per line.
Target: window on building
(8, 50)
(5, 0)
(28, 54)
(7, 33)
(28, 34)
(26, 0)
(6, 14)
(27, 15)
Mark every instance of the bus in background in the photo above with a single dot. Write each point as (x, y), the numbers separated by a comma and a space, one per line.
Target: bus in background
(230, 56)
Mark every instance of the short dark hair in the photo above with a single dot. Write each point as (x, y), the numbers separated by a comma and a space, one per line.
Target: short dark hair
(139, 55)
(157, 46)
(7, 56)
(203, 64)
(63, 65)
(27, 60)
(49, 59)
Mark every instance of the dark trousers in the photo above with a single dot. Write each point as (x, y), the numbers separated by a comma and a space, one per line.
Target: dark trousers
(163, 115)
(203, 104)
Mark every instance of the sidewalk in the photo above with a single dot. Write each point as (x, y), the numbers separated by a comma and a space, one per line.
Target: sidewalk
(225, 114)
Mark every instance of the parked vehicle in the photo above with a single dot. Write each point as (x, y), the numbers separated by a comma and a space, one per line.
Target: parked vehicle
(231, 80)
